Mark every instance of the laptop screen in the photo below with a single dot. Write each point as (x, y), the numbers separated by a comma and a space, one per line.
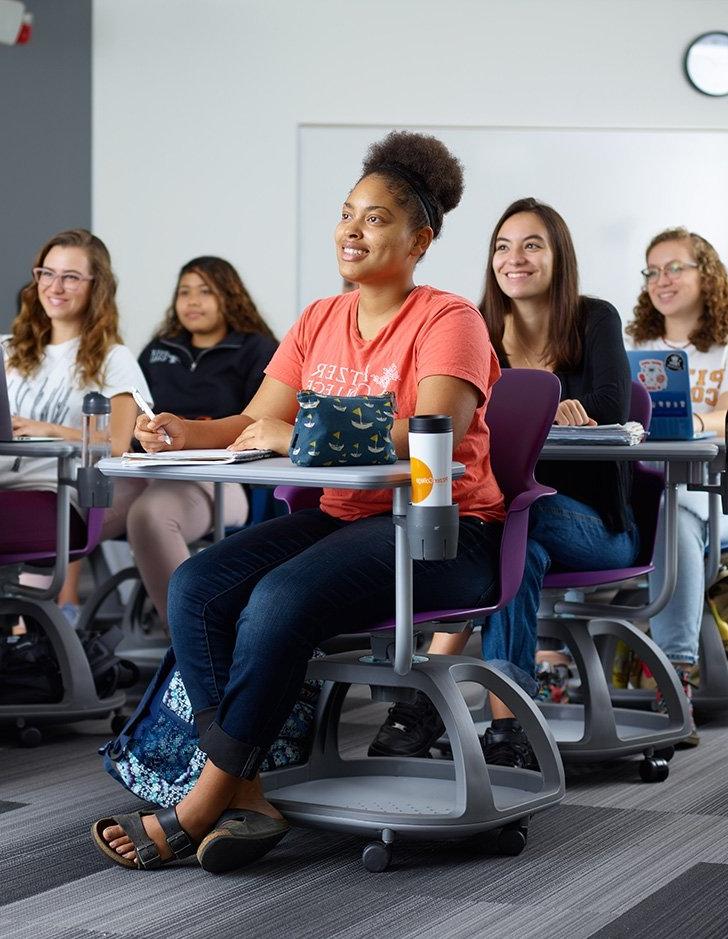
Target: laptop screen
(6, 424)
(666, 375)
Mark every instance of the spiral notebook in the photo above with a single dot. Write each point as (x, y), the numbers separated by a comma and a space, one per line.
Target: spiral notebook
(194, 457)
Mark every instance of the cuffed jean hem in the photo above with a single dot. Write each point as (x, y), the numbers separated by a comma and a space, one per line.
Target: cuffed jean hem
(230, 755)
(687, 659)
(524, 681)
(203, 719)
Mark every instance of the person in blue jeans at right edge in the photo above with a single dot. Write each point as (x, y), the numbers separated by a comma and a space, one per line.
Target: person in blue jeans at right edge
(537, 319)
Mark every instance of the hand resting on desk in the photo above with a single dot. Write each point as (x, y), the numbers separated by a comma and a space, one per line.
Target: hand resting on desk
(571, 412)
(24, 427)
(268, 433)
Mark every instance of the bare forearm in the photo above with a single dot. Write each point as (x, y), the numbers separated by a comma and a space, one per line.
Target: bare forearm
(203, 435)
(68, 433)
(400, 437)
(711, 420)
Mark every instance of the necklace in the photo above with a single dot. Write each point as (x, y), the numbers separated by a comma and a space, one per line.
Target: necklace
(524, 352)
(676, 345)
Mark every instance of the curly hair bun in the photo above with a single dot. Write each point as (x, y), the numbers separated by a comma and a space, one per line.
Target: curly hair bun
(425, 163)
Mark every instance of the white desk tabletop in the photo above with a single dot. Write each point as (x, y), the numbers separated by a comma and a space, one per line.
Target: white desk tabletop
(278, 471)
(684, 451)
(60, 448)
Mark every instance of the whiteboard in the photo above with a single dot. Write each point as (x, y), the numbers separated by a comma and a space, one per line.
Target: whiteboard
(615, 189)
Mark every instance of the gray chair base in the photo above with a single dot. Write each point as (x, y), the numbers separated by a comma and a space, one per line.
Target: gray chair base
(596, 730)
(712, 693)
(417, 798)
(80, 700)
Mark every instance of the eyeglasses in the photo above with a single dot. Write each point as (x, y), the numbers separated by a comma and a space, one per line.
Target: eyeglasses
(70, 281)
(674, 270)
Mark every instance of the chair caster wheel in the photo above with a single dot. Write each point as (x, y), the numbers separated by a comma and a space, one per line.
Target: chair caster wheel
(666, 754)
(513, 838)
(654, 769)
(30, 737)
(376, 857)
(118, 723)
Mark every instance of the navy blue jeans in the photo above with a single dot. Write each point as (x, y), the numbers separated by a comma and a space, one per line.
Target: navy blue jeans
(246, 614)
(562, 532)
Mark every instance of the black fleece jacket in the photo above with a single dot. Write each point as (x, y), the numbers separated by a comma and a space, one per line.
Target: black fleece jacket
(205, 383)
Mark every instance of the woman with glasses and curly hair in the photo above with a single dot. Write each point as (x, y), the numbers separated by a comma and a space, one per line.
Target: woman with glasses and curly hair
(684, 305)
(206, 361)
(64, 342)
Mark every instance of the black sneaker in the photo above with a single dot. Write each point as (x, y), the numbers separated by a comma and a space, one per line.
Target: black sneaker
(410, 729)
(506, 744)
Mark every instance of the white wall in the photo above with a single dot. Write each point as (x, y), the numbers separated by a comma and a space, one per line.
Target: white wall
(197, 105)
(612, 213)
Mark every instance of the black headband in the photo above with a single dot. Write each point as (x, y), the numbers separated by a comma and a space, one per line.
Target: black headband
(416, 184)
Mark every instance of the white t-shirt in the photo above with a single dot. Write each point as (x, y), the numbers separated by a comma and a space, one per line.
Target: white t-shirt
(708, 371)
(708, 381)
(53, 394)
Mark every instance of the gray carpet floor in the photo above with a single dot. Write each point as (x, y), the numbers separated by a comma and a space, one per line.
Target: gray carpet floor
(618, 857)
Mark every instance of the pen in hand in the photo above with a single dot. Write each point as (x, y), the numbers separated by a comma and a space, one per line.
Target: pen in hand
(137, 395)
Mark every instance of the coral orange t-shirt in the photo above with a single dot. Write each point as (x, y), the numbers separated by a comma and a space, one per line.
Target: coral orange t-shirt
(434, 333)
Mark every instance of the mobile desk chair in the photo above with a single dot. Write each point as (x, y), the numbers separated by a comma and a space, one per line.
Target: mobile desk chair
(80, 699)
(419, 798)
(596, 730)
(422, 798)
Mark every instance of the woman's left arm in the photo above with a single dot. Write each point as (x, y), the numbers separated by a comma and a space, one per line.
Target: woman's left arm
(606, 368)
(713, 420)
(440, 394)
(123, 417)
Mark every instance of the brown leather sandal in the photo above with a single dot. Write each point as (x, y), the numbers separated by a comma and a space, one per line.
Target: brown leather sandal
(239, 840)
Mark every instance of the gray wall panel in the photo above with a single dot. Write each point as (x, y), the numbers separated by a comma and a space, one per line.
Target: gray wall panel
(45, 138)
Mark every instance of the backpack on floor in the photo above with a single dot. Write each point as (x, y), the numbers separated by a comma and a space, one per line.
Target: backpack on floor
(30, 673)
(156, 754)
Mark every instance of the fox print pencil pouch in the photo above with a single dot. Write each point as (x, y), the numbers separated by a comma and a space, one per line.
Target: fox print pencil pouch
(351, 431)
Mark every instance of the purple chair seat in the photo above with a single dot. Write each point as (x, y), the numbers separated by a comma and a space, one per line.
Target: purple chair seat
(573, 580)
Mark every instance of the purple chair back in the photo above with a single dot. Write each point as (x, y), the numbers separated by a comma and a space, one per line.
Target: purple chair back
(640, 405)
(34, 541)
(519, 415)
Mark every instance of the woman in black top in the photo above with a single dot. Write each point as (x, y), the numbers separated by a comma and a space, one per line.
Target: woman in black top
(537, 319)
(205, 362)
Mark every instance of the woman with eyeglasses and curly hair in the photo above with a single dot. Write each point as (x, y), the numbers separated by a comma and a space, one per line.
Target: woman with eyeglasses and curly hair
(684, 305)
(64, 342)
(205, 362)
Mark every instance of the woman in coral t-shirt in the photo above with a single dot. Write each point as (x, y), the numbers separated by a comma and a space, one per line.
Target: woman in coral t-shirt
(246, 614)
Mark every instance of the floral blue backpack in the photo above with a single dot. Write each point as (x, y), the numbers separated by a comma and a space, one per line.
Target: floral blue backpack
(156, 754)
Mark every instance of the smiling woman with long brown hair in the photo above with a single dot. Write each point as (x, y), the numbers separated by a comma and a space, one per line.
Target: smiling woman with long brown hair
(538, 319)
